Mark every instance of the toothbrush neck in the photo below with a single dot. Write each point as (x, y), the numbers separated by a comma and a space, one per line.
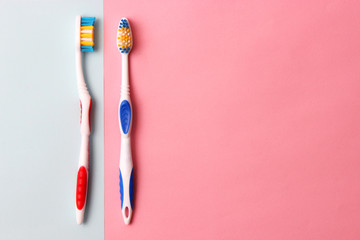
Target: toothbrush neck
(79, 74)
(79, 71)
(125, 89)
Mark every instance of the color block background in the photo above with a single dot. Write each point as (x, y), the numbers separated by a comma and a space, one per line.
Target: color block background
(39, 121)
(246, 119)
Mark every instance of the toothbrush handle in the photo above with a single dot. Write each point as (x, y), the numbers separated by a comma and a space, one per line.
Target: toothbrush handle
(82, 175)
(81, 192)
(126, 164)
(126, 180)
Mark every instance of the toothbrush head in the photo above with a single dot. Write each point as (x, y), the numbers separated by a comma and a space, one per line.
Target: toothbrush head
(87, 34)
(124, 36)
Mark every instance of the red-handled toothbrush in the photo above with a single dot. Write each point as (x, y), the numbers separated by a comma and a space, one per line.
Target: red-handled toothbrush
(84, 42)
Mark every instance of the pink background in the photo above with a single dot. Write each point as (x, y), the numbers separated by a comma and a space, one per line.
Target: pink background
(247, 119)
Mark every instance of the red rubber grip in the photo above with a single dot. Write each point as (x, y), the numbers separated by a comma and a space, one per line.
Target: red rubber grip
(81, 187)
(89, 113)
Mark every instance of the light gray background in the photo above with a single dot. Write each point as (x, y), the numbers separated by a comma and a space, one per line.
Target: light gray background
(39, 121)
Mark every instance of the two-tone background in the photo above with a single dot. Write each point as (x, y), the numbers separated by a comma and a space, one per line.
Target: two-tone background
(246, 120)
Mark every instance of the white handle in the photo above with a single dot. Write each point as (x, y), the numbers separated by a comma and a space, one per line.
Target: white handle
(126, 179)
(82, 180)
(85, 106)
(126, 164)
(83, 172)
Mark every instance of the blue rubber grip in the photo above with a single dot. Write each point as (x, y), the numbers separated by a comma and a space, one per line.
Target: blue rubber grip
(125, 116)
(121, 190)
(131, 189)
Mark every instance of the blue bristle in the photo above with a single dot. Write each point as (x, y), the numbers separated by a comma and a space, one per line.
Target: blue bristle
(125, 23)
(87, 18)
(87, 21)
(87, 48)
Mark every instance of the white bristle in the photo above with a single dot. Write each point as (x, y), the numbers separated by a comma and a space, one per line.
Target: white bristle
(86, 39)
(86, 31)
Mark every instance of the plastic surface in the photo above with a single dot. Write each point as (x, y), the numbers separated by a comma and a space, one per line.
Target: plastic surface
(130, 189)
(126, 180)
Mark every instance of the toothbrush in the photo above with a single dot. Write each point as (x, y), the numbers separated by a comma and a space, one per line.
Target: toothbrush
(84, 42)
(124, 44)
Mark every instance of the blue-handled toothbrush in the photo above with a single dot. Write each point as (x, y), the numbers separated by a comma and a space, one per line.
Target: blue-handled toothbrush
(124, 44)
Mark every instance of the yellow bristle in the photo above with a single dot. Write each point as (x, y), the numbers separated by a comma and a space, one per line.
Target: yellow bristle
(87, 27)
(87, 43)
(86, 35)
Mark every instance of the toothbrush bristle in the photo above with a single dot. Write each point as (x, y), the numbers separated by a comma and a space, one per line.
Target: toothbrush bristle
(124, 36)
(87, 34)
